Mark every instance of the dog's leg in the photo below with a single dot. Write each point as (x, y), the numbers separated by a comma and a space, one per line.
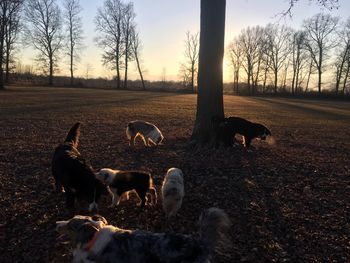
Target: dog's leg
(153, 194)
(111, 194)
(246, 141)
(134, 139)
(70, 199)
(142, 196)
(115, 199)
(145, 141)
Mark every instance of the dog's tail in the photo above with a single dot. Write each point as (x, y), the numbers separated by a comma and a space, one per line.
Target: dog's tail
(73, 135)
(130, 130)
(152, 191)
(214, 225)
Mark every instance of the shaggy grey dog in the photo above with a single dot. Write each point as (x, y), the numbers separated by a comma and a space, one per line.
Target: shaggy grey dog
(97, 242)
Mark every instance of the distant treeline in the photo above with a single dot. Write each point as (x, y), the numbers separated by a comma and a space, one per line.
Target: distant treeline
(29, 79)
(279, 59)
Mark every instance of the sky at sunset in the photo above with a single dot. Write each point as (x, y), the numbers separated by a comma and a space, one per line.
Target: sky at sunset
(163, 23)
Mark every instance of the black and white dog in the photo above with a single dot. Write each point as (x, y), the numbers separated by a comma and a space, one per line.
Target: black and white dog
(230, 126)
(94, 241)
(74, 175)
(122, 182)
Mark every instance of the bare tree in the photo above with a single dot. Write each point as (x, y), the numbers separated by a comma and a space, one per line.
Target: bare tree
(185, 75)
(9, 25)
(189, 67)
(108, 22)
(343, 55)
(136, 50)
(278, 40)
(298, 58)
(249, 41)
(12, 29)
(128, 27)
(319, 40)
(329, 4)
(235, 54)
(210, 78)
(75, 33)
(347, 74)
(43, 30)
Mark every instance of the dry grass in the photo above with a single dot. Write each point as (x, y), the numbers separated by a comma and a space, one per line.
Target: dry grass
(287, 202)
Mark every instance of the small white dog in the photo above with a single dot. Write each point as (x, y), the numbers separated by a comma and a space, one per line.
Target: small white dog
(147, 131)
(172, 191)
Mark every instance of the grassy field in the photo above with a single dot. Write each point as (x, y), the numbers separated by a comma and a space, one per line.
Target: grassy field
(288, 202)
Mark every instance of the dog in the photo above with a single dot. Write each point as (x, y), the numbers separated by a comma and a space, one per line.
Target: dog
(74, 175)
(94, 241)
(249, 130)
(149, 133)
(172, 191)
(122, 182)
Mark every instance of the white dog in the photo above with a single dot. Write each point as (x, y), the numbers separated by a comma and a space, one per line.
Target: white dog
(147, 131)
(172, 191)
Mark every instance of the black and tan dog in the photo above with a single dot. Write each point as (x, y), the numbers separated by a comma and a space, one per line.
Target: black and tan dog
(74, 175)
(94, 241)
(230, 126)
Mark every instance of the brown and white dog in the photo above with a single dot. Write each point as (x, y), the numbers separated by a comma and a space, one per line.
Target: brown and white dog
(95, 241)
(172, 191)
(149, 133)
(123, 182)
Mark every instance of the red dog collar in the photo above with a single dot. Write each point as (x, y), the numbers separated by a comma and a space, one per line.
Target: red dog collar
(91, 243)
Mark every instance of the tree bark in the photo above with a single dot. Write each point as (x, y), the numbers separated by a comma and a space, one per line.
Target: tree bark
(210, 71)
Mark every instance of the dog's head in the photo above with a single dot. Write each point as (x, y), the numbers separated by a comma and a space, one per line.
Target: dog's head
(175, 174)
(264, 132)
(106, 175)
(79, 228)
(160, 139)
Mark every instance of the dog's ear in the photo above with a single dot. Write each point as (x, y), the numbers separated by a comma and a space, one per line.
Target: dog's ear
(100, 219)
(61, 225)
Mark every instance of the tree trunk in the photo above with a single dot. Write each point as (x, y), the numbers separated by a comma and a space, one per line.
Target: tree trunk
(210, 72)
(346, 78)
(71, 66)
(7, 66)
(140, 71)
(126, 60)
(192, 78)
(51, 71)
(117, 68)
(308, 78)
(276, 79)
(319, 80)
(319, 67)
(296, 89)
(2, 39)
